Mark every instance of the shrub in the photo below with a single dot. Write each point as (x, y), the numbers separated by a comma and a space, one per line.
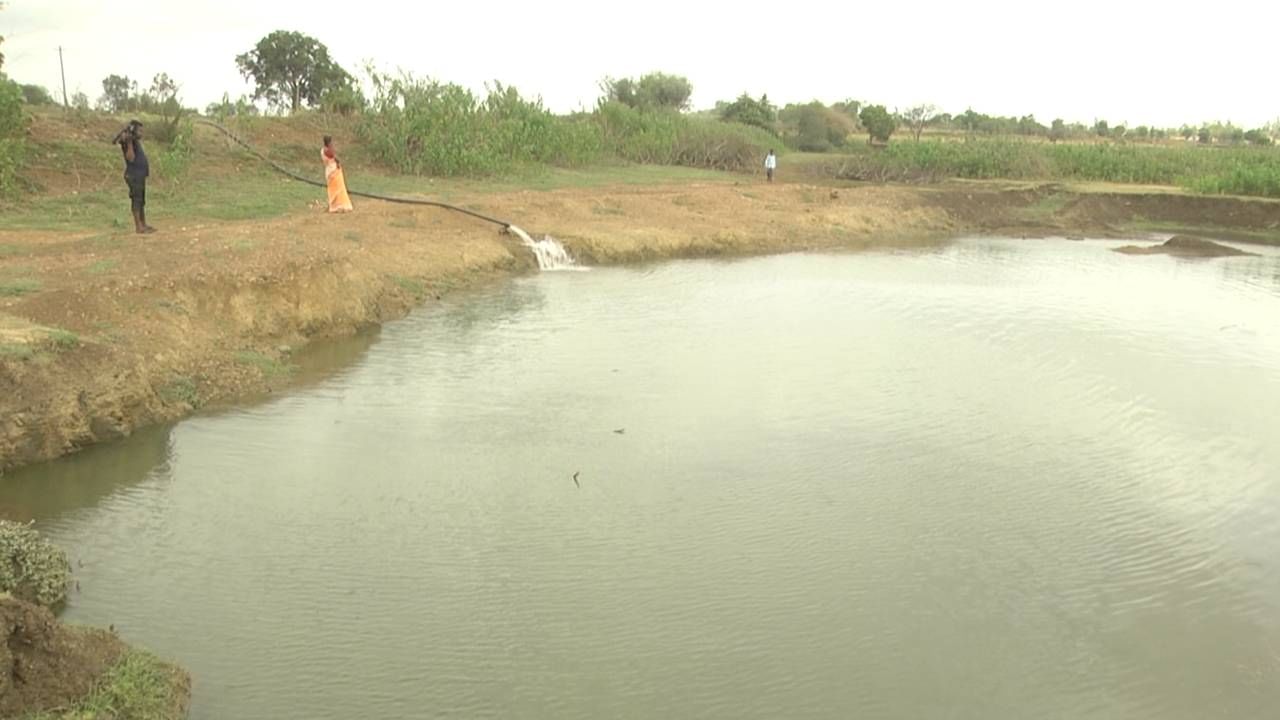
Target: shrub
(879, 123)
(13, 130)
(32, 568)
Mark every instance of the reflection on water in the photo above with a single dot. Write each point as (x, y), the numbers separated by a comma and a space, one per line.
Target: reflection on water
(988, 480)
(84, 479)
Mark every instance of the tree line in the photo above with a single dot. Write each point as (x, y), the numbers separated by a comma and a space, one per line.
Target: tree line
(291, 71)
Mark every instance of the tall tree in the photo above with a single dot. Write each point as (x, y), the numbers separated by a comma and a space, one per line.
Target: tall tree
(655, 91)
(290, 69)
(118, 93)
(748, 111)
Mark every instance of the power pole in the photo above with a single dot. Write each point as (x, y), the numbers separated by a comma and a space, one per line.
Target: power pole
(63, 68)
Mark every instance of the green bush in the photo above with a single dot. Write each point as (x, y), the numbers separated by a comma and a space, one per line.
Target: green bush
(32, 568)
(878, 121)
(13, 131)
(36, 95)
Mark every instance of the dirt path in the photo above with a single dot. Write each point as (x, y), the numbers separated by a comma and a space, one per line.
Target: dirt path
(101, 334)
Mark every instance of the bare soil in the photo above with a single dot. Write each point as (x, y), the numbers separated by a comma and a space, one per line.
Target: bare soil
(45, 665)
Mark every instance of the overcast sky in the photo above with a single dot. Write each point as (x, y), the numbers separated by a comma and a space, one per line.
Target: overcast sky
(1139, 62)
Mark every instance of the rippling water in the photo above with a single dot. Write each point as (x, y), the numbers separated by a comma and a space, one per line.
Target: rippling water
(994, 479)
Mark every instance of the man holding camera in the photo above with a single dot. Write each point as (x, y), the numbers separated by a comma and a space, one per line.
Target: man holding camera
(136, 171)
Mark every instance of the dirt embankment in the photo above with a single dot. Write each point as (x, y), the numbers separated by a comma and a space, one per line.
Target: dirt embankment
(45, 665)
(103, 333)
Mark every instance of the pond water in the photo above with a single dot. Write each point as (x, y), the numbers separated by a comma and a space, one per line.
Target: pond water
(989, 479)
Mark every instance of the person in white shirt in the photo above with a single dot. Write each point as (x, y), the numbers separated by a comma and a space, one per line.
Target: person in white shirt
(770, 164)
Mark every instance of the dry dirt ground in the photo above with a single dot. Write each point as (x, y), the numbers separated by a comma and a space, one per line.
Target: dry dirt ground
(103, 333)
(46, 666)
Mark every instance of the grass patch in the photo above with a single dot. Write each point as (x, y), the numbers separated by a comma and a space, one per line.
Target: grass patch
(410, 285)
(351, 236)
(408, 222)
(17, 351)
(102, 266)
(19, 286)
(181, 390)
(64, 339)
(7, 250)
(268, 366)
(138, 687)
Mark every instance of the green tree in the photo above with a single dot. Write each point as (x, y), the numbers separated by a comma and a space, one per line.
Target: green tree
(1, 43)
(1205, 135)
(1257, 137)
(118, 94)
(848, 108)
(879, 122)
(655, 91)
(36, 95)
(748, 111)
(1101, 129)
(80, 101)
(1057, 130)
(290, 69)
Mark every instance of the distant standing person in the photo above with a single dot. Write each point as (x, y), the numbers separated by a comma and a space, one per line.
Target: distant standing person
(339, 201)
(136, 171)
(770, 164)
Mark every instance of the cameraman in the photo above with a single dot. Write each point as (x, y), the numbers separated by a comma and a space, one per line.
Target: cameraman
(136, 171)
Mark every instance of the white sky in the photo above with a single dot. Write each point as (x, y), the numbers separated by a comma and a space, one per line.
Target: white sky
(1135, 61)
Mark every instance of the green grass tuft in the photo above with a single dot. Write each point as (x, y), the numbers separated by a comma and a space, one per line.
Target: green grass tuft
(138, 687)
(268, 366)
(410, 285)
(64, 339)
(19, 286)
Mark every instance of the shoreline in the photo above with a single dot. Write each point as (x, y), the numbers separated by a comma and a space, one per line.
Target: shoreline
(104, 334)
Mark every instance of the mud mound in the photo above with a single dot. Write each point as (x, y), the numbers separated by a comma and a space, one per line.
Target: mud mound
(1184, 246)
(45, 665)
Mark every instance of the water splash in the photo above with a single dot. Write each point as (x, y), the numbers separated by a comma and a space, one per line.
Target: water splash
(551, 254)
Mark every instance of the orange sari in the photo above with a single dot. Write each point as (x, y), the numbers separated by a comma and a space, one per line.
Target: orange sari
(339, 201)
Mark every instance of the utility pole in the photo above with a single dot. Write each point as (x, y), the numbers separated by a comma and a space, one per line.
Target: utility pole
(63, 68)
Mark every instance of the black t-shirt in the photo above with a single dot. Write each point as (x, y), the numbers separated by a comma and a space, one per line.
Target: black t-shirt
(139, 167)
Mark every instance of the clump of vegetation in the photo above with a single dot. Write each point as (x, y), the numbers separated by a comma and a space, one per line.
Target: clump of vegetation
(181, 390)
(879, 123)
(64, 339)
(410, 285)
(268, 366)
(655, 91)
(13, 131)
(138, 686)
(20, 286)
(424, 127)
(32, 568)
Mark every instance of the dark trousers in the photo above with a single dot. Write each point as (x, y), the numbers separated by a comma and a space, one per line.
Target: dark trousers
(137, 192)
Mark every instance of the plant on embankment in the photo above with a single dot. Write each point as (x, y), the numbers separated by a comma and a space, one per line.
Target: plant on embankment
(32, 568)
(138, 687)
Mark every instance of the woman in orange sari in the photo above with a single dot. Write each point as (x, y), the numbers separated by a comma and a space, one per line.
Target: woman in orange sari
(339, 201)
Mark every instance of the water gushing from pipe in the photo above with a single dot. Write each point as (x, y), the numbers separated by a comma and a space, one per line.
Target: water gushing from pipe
(551, 255)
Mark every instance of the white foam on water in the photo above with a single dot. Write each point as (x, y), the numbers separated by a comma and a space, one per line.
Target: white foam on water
(551, 255)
